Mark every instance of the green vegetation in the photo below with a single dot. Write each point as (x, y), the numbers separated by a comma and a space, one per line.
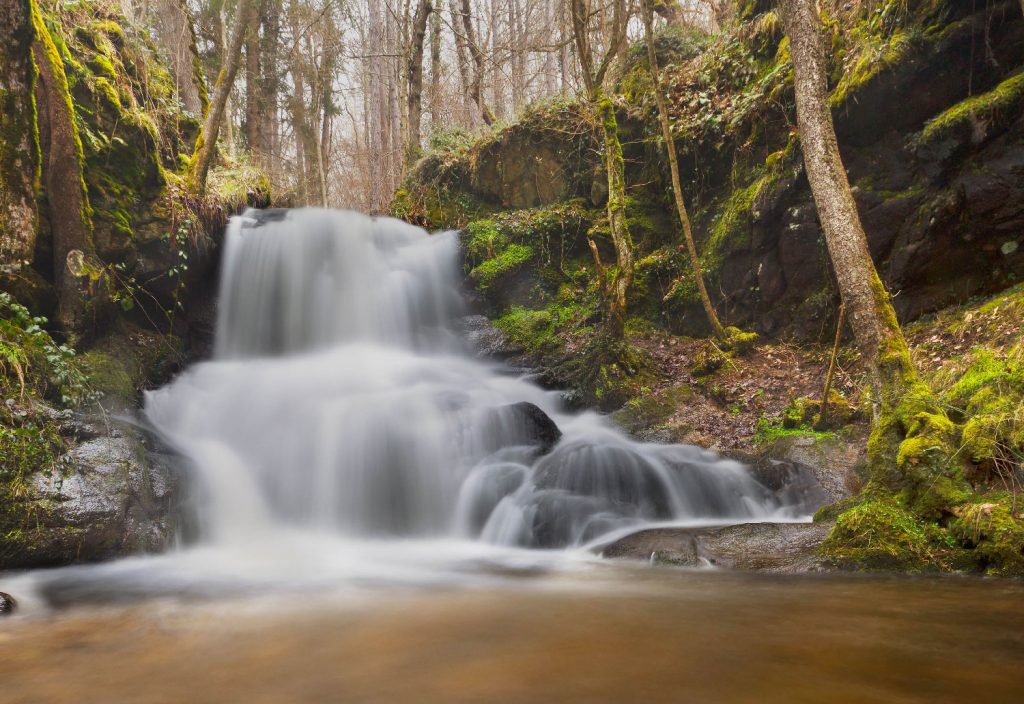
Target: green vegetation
(879, 534)
(31, 363)
(507, 261)
(999, 105)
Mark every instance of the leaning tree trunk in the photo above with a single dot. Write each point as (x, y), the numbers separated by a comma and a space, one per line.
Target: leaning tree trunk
(207, 140)
(673, 164)
(67, 200)
(912, 450)
(869, 307)
(415, 73)
(19, 147)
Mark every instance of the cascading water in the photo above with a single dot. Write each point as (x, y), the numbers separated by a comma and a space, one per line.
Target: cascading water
(345, 434)
(341, 399)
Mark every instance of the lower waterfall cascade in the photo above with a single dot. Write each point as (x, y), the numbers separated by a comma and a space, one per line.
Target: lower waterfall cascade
(341, 398)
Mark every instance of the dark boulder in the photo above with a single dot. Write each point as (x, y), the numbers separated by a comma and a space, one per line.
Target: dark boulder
(525, 423)
(7, 604)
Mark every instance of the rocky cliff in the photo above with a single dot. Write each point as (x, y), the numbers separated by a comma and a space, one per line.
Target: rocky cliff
(96, 140)
(927, 99)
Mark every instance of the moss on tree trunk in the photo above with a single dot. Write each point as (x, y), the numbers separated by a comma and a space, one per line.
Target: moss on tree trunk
(67, 199)
(912, 450)
(19, 136)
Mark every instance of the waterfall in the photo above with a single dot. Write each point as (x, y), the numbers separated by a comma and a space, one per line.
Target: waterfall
(342, 400)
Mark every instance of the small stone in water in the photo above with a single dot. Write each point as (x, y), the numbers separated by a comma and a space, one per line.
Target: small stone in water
(7, 604)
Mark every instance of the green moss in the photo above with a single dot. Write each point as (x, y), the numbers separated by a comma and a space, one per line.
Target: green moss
(508, 261)
(106, 89)
(738, 341)
(53, 58)
(485, 240)
(994, 534)
(108, 376)
(102, 66)
(539, 330)
(999, 105)
(989, 397)
(876, 55)
(19, 141)
(31, 362)
(771, 429)
(879, 534)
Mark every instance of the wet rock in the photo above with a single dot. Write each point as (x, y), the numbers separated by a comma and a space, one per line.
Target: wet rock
(486, 339)
(109, 496)
(796, 486)
(835, 464)
(529, 424)
(612, 475)
(7, 604)
(763, 547)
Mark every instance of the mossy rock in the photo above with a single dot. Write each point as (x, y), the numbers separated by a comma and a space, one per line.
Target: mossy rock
(879, 534)
(708, 361)
(994, 533)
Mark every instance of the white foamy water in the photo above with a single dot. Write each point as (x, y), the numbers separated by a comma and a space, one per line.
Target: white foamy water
(344, 432)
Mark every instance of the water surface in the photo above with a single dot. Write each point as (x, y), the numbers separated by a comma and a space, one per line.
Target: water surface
(612, 633)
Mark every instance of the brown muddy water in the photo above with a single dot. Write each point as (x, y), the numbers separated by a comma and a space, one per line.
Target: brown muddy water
(616, 634)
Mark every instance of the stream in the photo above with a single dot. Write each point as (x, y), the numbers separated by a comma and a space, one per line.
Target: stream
(379, 515)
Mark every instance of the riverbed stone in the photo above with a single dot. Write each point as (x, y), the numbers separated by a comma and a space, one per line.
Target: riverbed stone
(110, 495)
(762, 547)
(7, 604)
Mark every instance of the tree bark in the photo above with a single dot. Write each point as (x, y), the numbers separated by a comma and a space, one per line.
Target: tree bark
(67, 200)
(476, 53)
(435, 69)
(255, 102)
(19, 148)
(415, 72)
(463, 63)
(617, 289)
(673, 164)
(869, 306)
(207, 140)
(270, 86)
(175, 35)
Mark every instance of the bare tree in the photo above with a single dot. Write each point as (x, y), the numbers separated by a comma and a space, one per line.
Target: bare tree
(207, 140)
(673, 163)
(415, 99)
(594, 74)
(871, 314)
(476, 53)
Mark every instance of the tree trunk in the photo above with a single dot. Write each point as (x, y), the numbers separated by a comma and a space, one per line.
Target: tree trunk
(175, 35)
(673, 164)
(435, 70)
(67, 200)
(475, 52)
(19, 148)
(465, 81)
(255, 102)
(415, 98)
(670, 10)
(207, 140)
(617, 289)
(869, 307)
(270, 86)
(376, 107)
